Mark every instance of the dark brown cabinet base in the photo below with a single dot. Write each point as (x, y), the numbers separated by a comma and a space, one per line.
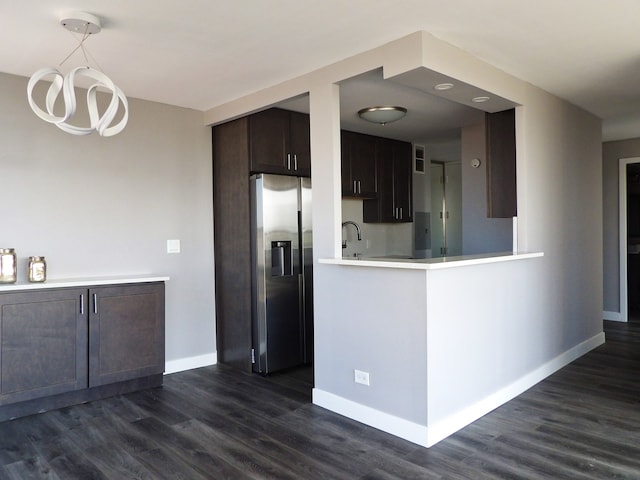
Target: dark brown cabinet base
(64, 346)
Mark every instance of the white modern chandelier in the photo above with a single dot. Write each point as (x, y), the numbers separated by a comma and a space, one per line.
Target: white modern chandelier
(87, 25)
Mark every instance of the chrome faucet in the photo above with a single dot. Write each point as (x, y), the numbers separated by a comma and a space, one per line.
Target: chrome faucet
(350, 222)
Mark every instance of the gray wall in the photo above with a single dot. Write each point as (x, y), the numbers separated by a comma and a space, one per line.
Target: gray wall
(479, 233)
(106, 206)
(611, 153)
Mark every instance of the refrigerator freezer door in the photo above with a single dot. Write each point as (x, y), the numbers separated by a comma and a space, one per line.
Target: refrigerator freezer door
(277, 328)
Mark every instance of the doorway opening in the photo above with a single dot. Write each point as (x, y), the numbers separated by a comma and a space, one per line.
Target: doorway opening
(446, 208)
(629, 238)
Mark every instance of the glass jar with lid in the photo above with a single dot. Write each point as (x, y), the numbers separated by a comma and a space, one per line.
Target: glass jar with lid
(37, 269)
(8, 265)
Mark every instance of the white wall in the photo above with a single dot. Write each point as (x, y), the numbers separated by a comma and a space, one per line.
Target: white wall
(98, 206)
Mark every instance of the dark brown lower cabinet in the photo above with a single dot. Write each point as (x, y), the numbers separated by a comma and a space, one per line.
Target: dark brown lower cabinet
(43, 343)
(62, 346)
(126, 333)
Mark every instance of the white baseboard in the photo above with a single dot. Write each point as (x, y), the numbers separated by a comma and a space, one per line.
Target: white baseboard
(397, 426)
(428, 436)
(443, 428)
(189, 363)
(613, 316)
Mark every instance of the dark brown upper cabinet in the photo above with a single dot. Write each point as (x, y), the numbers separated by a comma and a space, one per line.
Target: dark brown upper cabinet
(501, 164)
(279, 142)
(359, 165)
(395, 184)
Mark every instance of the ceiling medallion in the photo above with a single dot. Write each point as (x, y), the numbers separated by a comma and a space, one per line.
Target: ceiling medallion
(85, 24)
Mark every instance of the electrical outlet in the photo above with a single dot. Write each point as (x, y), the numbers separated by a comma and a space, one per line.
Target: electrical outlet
(361, 377)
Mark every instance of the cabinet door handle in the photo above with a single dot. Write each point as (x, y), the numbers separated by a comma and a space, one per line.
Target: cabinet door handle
(359, 187)
(95, 303)
(401, 216)
(288, 161)
(295, 162)
(355, 190)
(81, 304)
(396, 215)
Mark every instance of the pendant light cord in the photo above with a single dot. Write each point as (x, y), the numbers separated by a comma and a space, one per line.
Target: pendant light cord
(82, 47)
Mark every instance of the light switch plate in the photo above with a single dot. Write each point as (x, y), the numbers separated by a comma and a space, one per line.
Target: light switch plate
(173, 246)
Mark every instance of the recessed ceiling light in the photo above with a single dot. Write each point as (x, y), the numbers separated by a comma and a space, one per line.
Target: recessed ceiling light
(480, 99)
(443, 86)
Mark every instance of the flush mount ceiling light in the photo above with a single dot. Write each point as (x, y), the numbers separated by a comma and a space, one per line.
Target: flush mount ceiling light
(480, 99)
(382, 115)
(86, 25)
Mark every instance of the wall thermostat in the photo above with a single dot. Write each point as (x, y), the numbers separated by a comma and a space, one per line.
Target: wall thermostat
(475, 163)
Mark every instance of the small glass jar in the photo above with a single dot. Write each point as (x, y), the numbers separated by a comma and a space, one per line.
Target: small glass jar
(8, 265)
(37, 269)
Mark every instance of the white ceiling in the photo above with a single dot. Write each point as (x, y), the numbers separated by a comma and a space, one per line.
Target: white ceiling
(201, 53)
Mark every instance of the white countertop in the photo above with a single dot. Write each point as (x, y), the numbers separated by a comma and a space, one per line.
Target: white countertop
(430, 263)
(80, 282)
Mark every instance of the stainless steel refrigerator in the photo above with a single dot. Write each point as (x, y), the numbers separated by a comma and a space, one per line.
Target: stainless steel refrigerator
(282, 286)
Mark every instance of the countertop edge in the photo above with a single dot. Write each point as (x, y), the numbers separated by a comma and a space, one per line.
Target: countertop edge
(431, 264)
(81, 282)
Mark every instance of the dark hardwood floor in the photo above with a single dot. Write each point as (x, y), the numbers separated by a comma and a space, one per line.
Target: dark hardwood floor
(212, 423)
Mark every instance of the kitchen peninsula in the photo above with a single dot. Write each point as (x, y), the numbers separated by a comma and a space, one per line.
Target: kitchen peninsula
(442, 340)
